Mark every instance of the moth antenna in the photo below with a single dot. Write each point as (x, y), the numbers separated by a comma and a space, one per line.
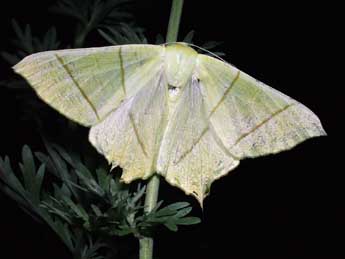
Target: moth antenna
(193, 45)
(207, 51)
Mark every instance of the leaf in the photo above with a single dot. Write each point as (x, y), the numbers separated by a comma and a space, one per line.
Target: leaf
(138, 195)
(189, 37)
(90, 184)
(44, 159)
(171, 226)
(27, 43)
(183, 212)
(123, 34)
(8, 176)
(77, 209)
(10, 58)
(72, 11)
(170, 216)
(17, 29)
(188, 221)
(92, 15)
(103, 178)
(28, 168)
(109, 38)
(57, 211)
(96, 210)
(12, 194)
(61, 168)
(177, 205)
(211, 44)
(63, 232)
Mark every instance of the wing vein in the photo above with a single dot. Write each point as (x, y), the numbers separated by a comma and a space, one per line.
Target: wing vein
(227, 91)
(68, 72)
(136, 132)
(122, 72)
(195, 142)
(276, 113)
(220, 143)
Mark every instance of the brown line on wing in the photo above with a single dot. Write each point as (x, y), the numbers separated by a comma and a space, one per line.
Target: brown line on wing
(262, 123)
(122, 72)
(227, 91)
(77, 85)
(136, 132)
(192, 147)
(208, 119)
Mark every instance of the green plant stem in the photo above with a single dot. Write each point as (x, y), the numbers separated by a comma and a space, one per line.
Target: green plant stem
(146, 243)
(174, 21)
(152, 188)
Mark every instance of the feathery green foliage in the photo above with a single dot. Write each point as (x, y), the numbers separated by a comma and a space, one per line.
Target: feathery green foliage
(92, 14)
(26, 43)
(84, 207)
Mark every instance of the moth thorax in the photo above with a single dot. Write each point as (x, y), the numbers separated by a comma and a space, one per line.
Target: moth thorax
(179, 64)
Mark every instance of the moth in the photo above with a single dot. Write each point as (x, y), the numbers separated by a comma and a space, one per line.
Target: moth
(168, 110)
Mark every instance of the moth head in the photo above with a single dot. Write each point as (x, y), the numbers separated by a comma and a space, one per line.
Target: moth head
(180, 61)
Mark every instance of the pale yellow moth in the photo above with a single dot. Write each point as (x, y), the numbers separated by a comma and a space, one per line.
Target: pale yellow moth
(167, 109)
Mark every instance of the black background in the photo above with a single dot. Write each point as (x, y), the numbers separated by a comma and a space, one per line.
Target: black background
(289, 205)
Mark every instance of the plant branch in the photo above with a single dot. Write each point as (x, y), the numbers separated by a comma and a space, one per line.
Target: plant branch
(146, 243)
(174, 21)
